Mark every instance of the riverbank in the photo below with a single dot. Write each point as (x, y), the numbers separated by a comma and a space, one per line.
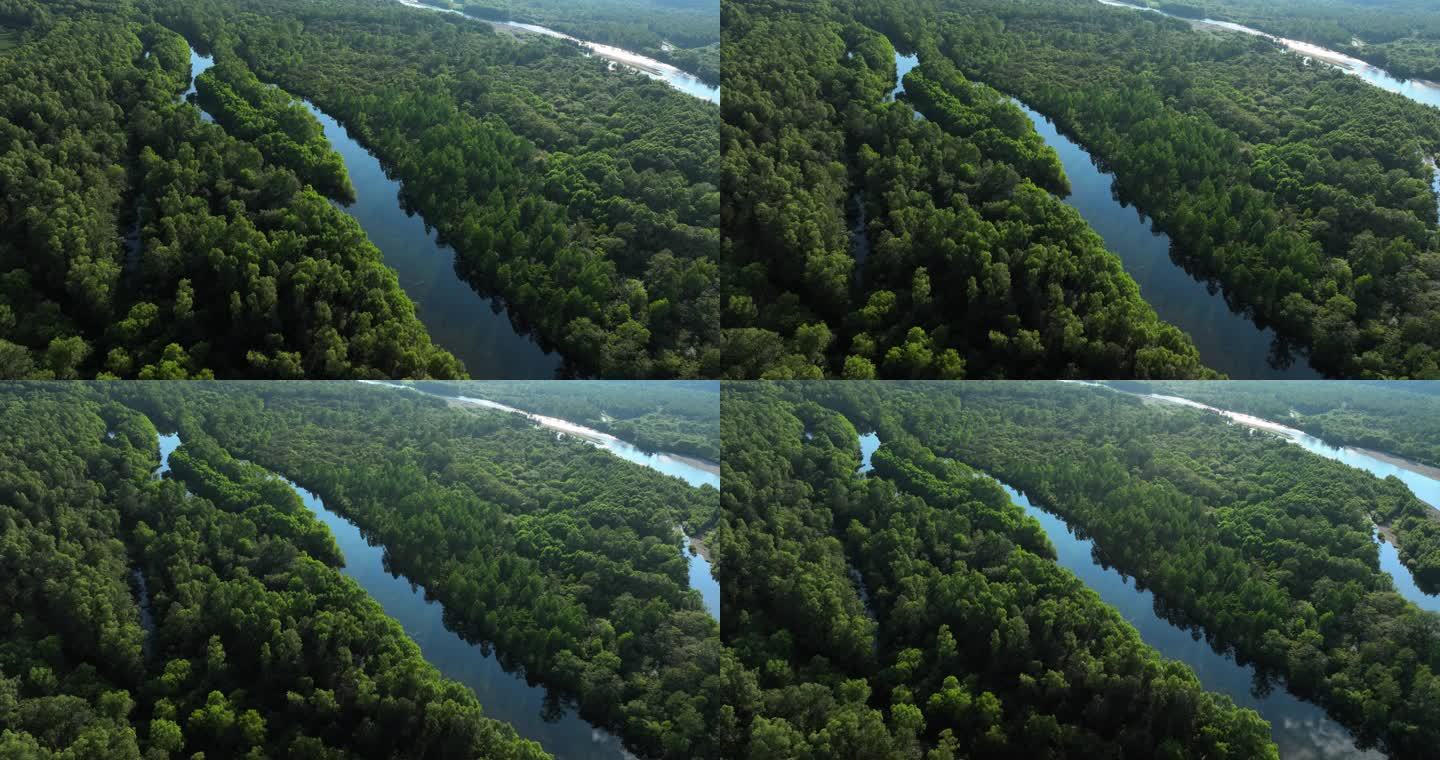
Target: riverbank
(476, 329)
(678, 78)
(1401, 462)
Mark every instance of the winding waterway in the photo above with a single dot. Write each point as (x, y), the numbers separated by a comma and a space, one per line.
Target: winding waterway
(1300, 729)
(476, 329)
(1228, 341)
(505, 696)
(667, 73)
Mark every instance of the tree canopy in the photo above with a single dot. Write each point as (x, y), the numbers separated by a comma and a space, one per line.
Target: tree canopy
(862, 241)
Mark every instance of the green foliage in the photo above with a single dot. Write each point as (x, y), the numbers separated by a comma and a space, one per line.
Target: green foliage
(1302, 190)
(1264, 546)
(584, 197)
(837, 201)
(1402, 419)
(1400, 36)
(258, 650)
(675, 416)
(564, 559)
(280, 126)
(684, 33)
(916, 612)
(235, 271)
(173, 248)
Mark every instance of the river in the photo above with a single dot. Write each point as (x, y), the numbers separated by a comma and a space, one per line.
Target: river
(1424, 486)
(1300, 729)
(1418, 90)
(696, 472)
(655, 69)
(1228, 341)
(504, 696)
(476, 329)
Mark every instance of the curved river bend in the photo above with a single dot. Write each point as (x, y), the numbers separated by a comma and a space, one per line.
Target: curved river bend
(476, 329)
(1228, 340)
(504, 696)
(1301, 730)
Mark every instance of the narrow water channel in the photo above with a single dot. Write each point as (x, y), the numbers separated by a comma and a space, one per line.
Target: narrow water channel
(505, 696)
(476, 329)
(1300, 729)
(702, 575)
(1228, 340)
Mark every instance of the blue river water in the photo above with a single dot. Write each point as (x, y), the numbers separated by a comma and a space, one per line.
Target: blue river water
(680, 80)
(1228, 341)
(1300, 729)
(504, 695)
(475, 328)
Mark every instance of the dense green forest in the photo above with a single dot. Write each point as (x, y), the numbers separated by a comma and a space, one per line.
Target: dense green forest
(1400, 36)
(861, 241)
(561, 557)
(1394, 418)
(276, 123)
(258, 648)
(916, 612)
(564, 558)
(1300, 189)
(677, 416)
(584, 197)
(1264, 546)
(237, 267)
(684, 33)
